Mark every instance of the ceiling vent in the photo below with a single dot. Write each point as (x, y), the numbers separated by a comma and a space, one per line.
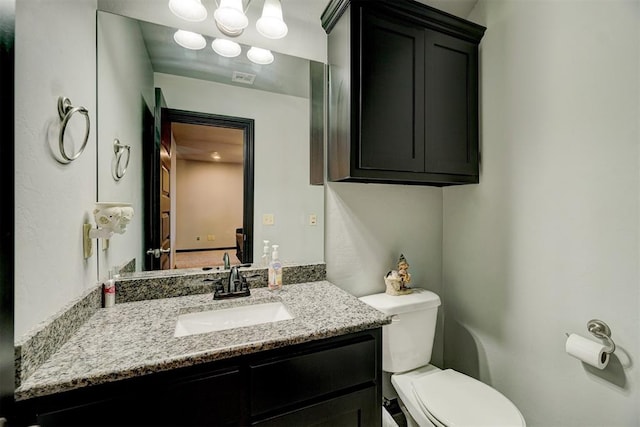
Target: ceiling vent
(246, 78)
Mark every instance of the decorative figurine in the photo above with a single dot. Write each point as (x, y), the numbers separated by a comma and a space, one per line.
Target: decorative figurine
(397, 280)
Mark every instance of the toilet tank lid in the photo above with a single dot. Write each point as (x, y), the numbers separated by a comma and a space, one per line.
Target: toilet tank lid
(419, 299)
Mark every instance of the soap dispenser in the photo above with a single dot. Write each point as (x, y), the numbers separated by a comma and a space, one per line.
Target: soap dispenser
(265, 254)
(275, 271)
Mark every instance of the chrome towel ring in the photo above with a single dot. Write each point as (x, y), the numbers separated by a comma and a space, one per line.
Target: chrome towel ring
(119, 150)
(65, 111)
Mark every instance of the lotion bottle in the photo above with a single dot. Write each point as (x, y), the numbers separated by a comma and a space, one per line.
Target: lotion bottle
(265, 254)
(275, 271)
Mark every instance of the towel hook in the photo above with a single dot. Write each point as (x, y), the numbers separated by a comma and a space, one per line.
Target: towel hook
(119, 150)
(601, 330)
(65, 111)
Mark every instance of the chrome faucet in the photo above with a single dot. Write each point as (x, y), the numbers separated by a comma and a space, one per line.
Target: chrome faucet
(225, 259)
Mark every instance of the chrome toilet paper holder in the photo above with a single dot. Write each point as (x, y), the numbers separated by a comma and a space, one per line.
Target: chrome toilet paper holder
(601, 330)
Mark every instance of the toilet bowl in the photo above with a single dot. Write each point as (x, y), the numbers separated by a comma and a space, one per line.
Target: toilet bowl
(430, 396)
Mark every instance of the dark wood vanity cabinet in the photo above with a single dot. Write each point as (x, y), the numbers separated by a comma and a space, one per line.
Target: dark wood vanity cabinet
(403, 93)
(336, 381)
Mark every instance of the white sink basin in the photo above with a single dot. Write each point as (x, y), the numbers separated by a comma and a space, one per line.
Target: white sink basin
(229, 318)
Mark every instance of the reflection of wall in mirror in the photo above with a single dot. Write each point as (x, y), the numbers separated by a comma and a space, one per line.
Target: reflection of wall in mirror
(281, 160)
(125, 87)
(209, 204)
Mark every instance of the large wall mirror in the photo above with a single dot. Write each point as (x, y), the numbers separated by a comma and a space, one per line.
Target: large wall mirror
(208, 209)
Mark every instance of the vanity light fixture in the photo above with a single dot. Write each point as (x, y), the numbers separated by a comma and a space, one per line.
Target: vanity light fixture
(189, 40)
(230, 17)
(271, 25)
(260, 56)
(189, 10)
(226, 48)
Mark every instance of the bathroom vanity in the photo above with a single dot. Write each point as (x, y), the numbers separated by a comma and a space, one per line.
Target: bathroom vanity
(124, 366)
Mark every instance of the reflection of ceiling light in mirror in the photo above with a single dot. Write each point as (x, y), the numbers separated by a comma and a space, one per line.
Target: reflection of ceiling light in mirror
(260, 56)
(230, 16)
(189, 10)
(216, 156)
(226, 48)
(189, 40)
(270, 24)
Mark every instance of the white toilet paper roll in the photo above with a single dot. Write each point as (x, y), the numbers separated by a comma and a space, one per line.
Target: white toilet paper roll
(588, 351)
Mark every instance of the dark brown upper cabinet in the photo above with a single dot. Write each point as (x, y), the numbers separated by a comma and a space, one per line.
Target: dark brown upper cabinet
(403, 93)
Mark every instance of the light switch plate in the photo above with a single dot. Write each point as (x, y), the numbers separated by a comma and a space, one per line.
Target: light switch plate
(268, 219)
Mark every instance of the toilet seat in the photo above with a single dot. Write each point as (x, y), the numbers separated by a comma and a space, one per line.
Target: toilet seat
(449, 398)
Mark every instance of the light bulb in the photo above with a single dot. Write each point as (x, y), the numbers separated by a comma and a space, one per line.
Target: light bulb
(270, 24)
(189, 40)
(231, 16)
(226, 48)
(260, 56)
(189, 10)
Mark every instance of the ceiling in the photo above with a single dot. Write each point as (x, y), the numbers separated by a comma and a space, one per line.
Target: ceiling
(198, 143)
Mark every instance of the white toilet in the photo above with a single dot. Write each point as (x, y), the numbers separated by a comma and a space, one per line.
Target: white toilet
(433, 397)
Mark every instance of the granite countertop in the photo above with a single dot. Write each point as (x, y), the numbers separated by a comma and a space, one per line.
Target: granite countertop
(136, 338)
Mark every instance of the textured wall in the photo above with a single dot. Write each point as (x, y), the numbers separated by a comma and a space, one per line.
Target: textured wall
(549, 239)
(54, 57)
(368, 226)
(125, 87)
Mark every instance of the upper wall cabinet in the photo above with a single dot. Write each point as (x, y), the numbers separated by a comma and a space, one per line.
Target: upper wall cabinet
(403, 97)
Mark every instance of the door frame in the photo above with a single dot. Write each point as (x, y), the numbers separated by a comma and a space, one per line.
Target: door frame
(7, 217)
(247, 126)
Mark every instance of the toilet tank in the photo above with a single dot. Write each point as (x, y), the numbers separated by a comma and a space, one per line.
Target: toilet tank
(407, 342)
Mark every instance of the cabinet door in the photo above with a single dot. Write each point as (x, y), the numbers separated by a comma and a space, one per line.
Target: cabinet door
(357, 409)
(391, 95)
(451, 114)
(311, 375)
(213, 399)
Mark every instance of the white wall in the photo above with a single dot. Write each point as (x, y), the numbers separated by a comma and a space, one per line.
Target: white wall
(549, 238)
(208, 202)
(54, 57)
(368, 226)
(125, 86)
(281, 182)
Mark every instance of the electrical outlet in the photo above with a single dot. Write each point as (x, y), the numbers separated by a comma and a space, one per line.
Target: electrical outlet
(268, 219)
(198, 238)
(313, 219)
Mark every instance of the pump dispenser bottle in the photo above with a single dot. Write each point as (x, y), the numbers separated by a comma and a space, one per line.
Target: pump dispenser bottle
(265, 255)
(275, 271)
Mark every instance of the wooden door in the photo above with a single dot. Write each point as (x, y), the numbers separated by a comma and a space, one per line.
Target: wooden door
(157, 187)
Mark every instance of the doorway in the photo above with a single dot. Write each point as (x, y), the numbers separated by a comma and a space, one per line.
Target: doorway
(216, 213)
(208, 209)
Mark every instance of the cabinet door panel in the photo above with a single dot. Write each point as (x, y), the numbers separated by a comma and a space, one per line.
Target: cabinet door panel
(358, 409)
(391, 96)
(311, 375)
(451, 105)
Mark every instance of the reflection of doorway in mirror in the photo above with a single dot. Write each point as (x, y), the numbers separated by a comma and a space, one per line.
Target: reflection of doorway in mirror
(209, 193)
